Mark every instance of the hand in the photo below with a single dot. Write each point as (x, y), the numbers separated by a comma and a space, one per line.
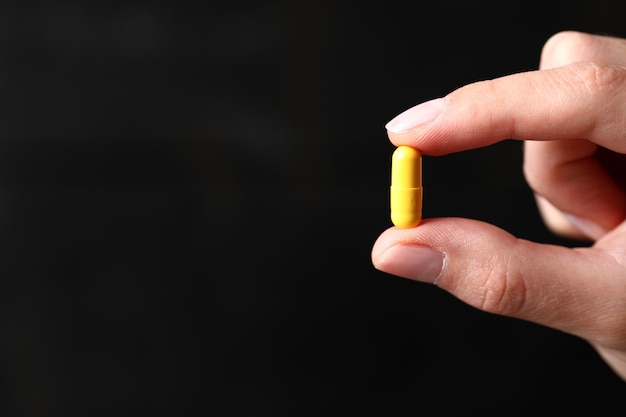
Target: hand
(571, 114)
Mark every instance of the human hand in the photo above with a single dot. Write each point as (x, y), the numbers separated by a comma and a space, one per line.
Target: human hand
(571, 114)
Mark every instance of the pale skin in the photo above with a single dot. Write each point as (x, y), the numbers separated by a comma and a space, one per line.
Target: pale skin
(571, 115)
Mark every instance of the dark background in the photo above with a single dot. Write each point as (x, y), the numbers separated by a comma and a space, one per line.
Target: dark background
(189, 196)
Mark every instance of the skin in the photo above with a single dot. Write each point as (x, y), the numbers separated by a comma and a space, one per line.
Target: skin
(571, 114)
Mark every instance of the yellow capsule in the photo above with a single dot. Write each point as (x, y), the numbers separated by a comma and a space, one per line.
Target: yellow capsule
(406, 187)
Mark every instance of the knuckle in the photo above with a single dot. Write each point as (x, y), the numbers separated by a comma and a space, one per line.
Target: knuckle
(597, 79)
(542, 174)
(566, 47)
(531, 173)
(542, 177)
(503, 291)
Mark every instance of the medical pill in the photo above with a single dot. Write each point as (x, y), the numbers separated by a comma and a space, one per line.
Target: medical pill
(406, 187)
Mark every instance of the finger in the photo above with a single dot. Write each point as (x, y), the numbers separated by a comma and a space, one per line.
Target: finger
(493, 271)
(577, 195)
(589, 204)
(583, 101)
(571, 207)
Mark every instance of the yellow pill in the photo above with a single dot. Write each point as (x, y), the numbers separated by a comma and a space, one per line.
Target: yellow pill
(406, 187)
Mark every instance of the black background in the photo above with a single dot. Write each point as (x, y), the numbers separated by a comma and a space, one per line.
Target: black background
(189, 196)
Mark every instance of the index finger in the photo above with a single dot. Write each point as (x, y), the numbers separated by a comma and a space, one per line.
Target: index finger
(579, 101)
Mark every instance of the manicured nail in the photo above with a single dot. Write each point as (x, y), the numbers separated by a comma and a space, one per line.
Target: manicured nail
(415, 116)
(411, 261)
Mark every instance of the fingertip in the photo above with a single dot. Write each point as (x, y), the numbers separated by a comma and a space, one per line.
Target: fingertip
(385, 240)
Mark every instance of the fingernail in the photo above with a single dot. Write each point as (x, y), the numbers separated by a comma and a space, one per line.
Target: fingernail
(411, 261)
(587, 227)
(415, 116)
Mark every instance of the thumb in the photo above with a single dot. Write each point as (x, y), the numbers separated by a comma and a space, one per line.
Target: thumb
(573, 290)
